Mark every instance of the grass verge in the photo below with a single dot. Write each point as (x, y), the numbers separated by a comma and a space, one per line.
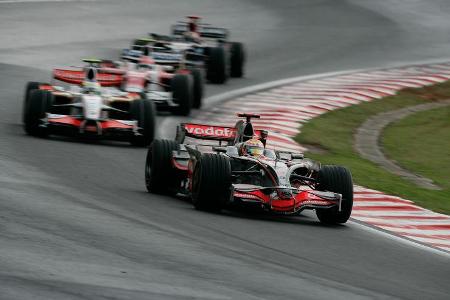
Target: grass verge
(333, 134)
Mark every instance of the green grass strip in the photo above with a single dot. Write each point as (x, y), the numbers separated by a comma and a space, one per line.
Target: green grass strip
(332, 133)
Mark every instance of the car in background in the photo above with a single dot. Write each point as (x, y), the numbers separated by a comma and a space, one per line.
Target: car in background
(201, 46)
(88, 108)
(169, 90)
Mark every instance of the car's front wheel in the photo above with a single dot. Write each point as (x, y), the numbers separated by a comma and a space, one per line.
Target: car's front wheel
(31, 86)
(217, 65)
(339, 180)
(143, 111)
(160, 176)
(197, 88)
(38, 104)
(211, 182)
(182, 94)
(237, 59)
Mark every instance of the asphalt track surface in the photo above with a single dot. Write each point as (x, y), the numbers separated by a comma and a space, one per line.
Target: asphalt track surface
(76, 222)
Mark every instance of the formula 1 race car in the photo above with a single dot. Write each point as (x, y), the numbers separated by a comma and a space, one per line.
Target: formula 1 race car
(241, 171)
(195, 44)
(177, 91)
(90, 110)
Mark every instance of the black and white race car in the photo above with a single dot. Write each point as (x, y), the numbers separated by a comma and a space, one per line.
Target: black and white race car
(195, 45)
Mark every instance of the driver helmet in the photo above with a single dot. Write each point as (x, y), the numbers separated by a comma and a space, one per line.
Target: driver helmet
(145, 62)
(253, 147)
(91, 87)
(90, 83)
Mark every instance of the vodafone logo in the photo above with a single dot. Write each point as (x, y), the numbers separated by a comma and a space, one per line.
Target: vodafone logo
(214, 131)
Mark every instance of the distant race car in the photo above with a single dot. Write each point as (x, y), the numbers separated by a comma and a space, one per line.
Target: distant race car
(89, 110)
(197, 45)
(241, 171)
(174, 91)
(176, 62)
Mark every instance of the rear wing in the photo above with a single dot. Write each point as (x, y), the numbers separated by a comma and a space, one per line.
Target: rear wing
(205, 132)
(212, 133)
(204, 31)
(78, 76)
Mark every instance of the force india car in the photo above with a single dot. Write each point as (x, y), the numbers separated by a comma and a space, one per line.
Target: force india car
(218, 176)
(212, 51)
(103, 113)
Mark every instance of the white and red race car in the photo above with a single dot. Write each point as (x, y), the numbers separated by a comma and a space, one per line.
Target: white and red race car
(88, 108)
(177, 91)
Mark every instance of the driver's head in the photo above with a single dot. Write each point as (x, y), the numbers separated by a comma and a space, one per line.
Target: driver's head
(91, 87)
(145, 63)
(253, 147)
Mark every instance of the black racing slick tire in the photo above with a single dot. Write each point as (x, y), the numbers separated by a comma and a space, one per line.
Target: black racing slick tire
(182, 94)
(160, 176)
(217, 65)
(38, 104)
(211, 182)
(339, 180)
(143, 111)
(31, 85)
(237, 59)
(197, 87)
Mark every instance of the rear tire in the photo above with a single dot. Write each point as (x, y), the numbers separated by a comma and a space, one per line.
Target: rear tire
(31, 85)
(211, 182)
(339, 180)
(217, 65)
(143, 111)
(237, 60)
(160, 176)
(182, 94)
(38, 104)
(197, 88)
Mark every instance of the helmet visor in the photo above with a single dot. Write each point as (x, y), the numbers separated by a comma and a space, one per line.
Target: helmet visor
(255, 150)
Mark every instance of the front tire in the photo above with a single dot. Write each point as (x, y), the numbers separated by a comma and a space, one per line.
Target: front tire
(182, 94)
(211, 182)
(38, 104)
(143, 111)
(237, 60)
(339, 180)
(31, 85)
(197, 88)
(217, 65)
(160, 176)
